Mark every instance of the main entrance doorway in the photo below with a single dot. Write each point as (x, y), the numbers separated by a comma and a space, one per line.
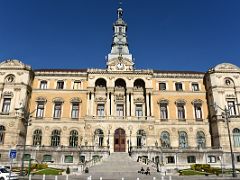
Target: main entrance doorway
(119, 140)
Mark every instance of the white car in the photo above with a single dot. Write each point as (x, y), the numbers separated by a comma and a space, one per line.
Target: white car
(4, 175)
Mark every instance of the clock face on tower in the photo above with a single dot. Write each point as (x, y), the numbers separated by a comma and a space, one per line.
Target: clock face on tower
(120, 66)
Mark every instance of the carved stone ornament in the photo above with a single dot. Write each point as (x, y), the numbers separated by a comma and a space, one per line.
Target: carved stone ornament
(230, 96)
(13, 63)
(197, 102)
(58, 99)
(130, 127)
(139, 100)
(20, 73)
(174, 129)
(8, 93)
(76, 100)
(226, 66)
(2, 73)
(191, 129)
(11, 124)
(100, 99)
(151, 127)
(119, 97)
(47, 128)
(64, 128)
(10, 78)
(180, 101)
(41, 99)
(163, 101)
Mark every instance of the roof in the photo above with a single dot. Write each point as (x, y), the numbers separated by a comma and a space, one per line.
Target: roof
(178, 72)
(60, 70)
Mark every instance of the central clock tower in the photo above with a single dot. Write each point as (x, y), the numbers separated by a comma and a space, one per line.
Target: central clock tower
(119, 58)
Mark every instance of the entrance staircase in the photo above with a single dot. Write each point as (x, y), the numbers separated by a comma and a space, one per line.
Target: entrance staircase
(118, 166)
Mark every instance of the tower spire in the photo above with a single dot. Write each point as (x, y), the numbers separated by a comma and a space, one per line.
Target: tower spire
(120, 44)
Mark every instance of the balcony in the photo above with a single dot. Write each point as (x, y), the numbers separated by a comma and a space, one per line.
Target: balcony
(120, 118)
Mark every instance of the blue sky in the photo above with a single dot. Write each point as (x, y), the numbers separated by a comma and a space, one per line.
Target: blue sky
(163, 34)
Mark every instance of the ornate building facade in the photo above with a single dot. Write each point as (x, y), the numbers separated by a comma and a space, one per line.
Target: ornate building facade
(70, 116)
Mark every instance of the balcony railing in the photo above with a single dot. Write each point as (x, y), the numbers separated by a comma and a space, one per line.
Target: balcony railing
(130, 118)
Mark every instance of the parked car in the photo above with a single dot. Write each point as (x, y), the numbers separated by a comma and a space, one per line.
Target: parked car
(4, 175)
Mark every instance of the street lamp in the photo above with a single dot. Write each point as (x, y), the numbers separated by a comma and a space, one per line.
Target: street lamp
(130, 152)
(226, 114)
(26, 117)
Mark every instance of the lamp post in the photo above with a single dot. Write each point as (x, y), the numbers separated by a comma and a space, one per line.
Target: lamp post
(26, 118)
(226, 114)
(130, 152)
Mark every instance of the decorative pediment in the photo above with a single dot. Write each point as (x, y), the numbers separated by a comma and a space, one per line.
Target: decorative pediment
(197, 102)
(139, 100)
(13, 63)
(8, 94)
(100, 99)
(76, 100)
(58, 99)
(180, 101)
(41, 99)
(226, 66)
(119, 97)
(163, 101)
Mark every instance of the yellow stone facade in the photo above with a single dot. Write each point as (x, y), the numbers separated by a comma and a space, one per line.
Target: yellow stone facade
(66, 117)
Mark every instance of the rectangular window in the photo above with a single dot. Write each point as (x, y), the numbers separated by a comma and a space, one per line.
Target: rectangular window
(211, 159)
(40, 110)
(138, 110)
(231, 107)
(75, 110)
(100, 109)
(162, 86)
(195, 87)
(43, 85)
(57, 110)
(119, 110)
(47, 158)
(198, 112)
(191, 159)
(163, 111)
(26, 157)
(170, 159)
(77, 85)
(68, 159)
(60, 85)
(82, 159)
(178, 86)
(238, 158)
(181, 112)
(6, 105)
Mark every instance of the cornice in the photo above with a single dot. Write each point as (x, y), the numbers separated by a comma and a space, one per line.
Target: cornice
(178, 75)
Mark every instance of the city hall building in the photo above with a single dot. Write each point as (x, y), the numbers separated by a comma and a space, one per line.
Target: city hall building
(73, 116)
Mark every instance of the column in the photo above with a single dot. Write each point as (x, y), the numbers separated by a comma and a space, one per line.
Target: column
(92, 104)
(112, 104)
(108, 104)
(128, 105)
(88, 104)
(147, 104)
(132, 106)
(151, 105)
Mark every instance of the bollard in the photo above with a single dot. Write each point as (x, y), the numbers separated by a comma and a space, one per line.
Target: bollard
(67, 177)
(90, 177)
(43, 177)
(154, 178)
(100, 178)
(162, 178)
(137, 178)
(56, 178)
(122, 178)
(170, 177)
(30, 177)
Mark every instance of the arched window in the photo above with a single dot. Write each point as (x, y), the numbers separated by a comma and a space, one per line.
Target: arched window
(37, 137)
(141, 138)
(2, 134)
(236, 137)
(73, 139)
(100, 83)
(165, 139)
(183, 139)
(98, 134)
(201, 140)
(55, 138)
